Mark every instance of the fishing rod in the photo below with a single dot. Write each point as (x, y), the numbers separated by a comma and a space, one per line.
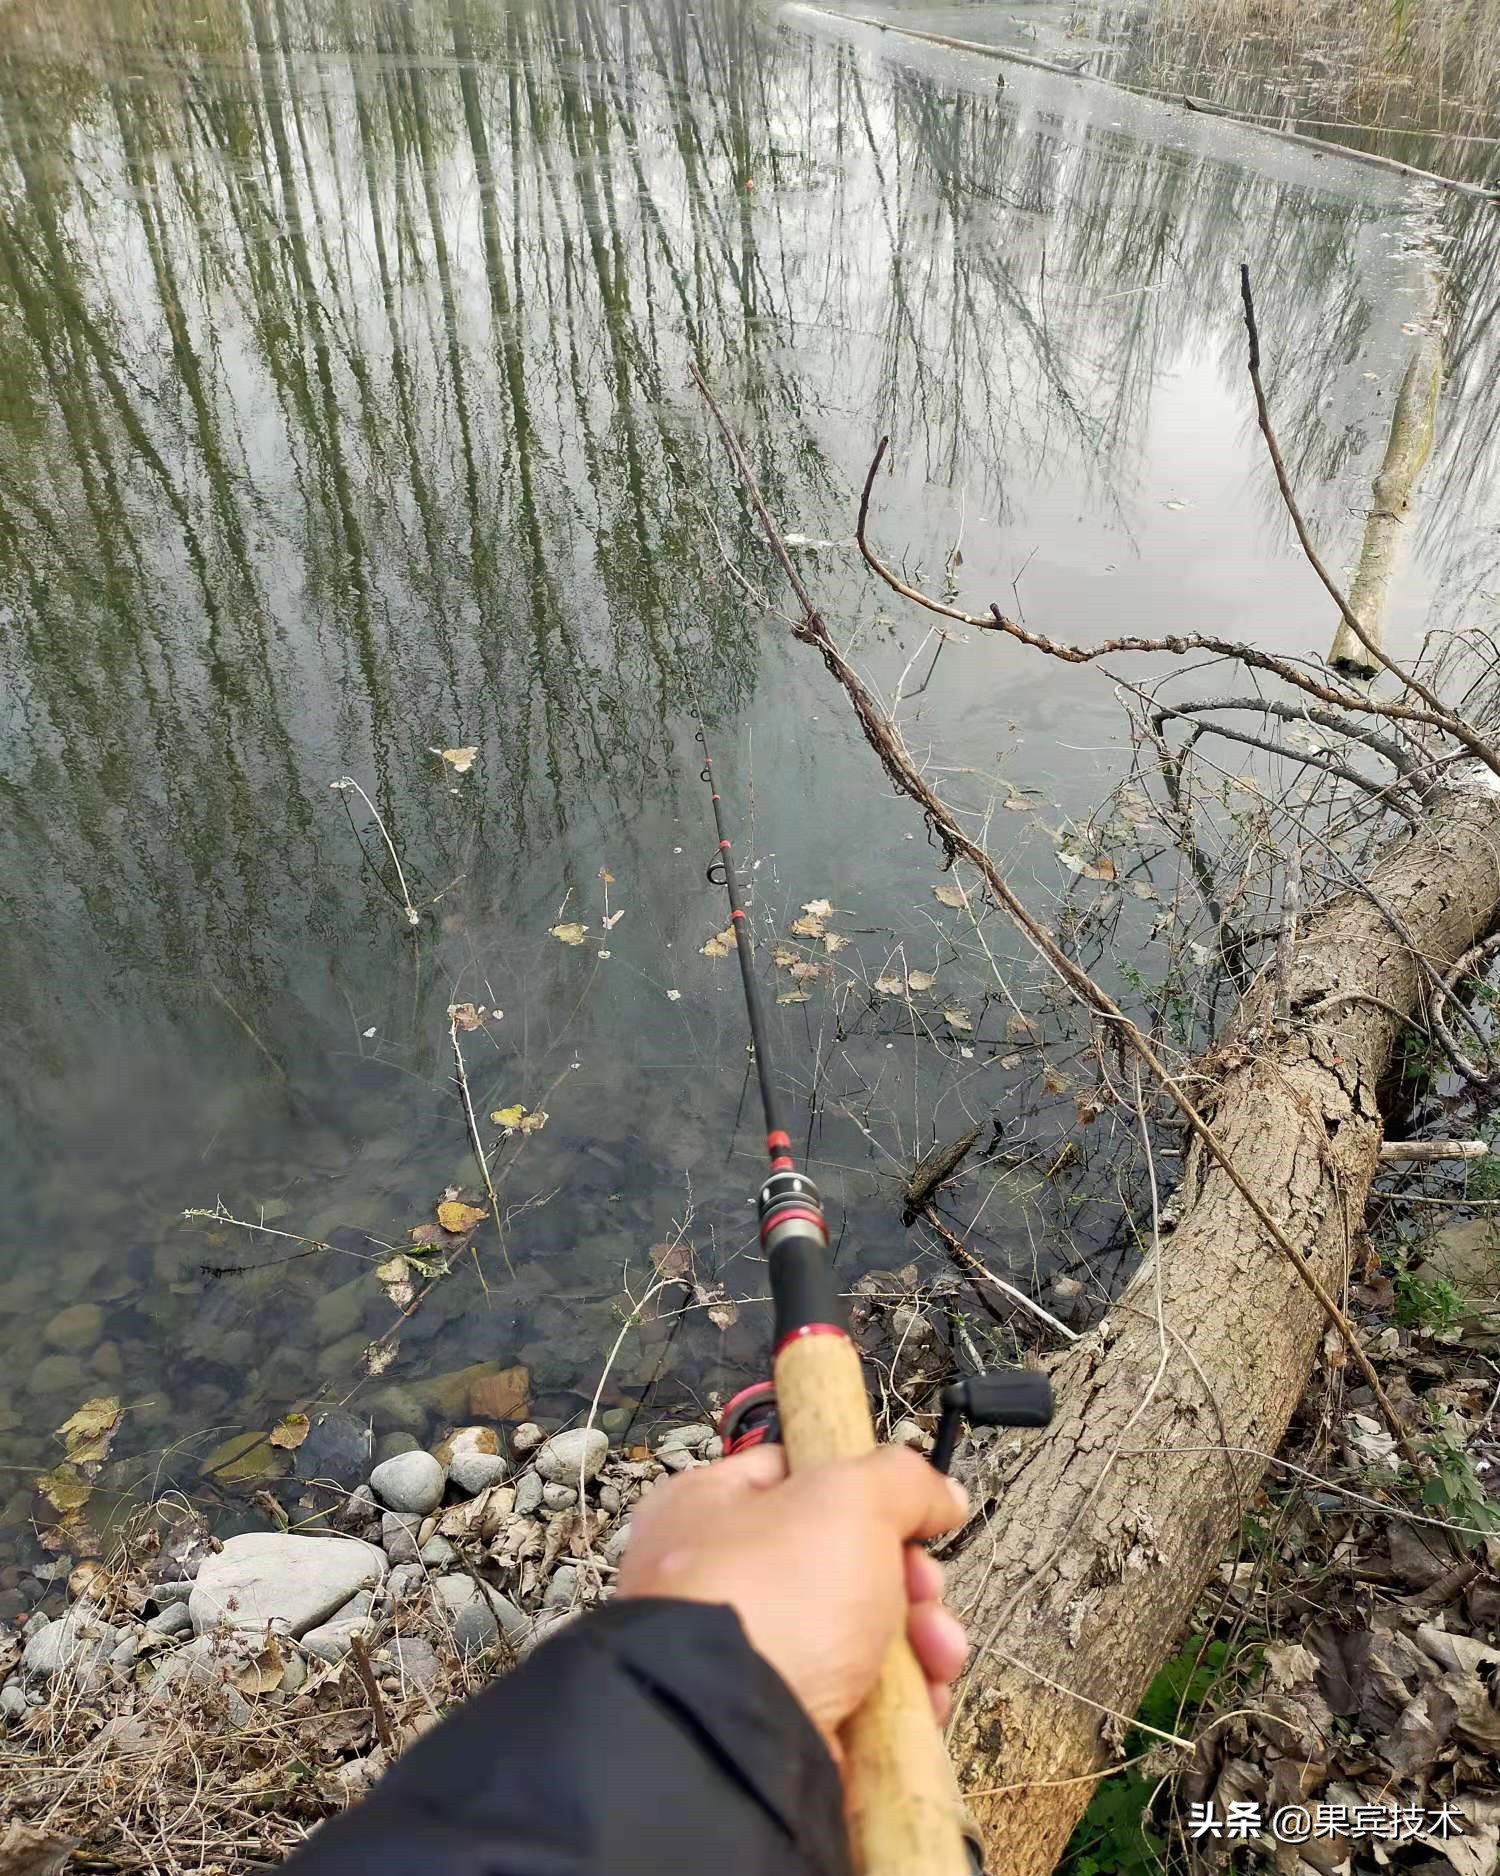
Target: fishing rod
(903, 1810)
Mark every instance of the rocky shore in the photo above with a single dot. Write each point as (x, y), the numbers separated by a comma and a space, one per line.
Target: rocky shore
(296, 1662)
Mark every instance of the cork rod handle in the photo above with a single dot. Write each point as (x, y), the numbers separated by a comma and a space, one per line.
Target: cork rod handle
(901, 1799)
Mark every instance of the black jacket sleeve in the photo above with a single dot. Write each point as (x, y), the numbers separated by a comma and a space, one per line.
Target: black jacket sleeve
(646, 1739)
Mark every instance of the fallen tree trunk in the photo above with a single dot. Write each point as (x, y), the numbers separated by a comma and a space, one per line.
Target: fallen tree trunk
(1096, 1537)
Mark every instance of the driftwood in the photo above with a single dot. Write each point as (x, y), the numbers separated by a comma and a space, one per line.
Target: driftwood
(1096, 1537)
(930, 1172)
(1406, 453)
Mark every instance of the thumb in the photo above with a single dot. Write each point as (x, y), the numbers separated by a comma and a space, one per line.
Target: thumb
(908, 1495)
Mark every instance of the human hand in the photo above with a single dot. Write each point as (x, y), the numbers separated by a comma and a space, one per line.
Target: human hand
(816, 1565)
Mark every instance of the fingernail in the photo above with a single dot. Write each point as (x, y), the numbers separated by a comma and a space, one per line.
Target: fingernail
(960, 1498)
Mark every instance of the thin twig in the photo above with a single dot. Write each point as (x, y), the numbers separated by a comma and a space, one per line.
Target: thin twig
(970, 1264)
(343, 784)
(360, 1655)
(478, 1146)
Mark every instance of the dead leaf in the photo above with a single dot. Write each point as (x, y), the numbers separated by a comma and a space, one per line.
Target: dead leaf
(571, 934)
(534, 1122)
(509, 1117)
(456, 1217)
(1102, 868)
(818, 908)
(459, 760)
(64, 1490)
(292, 1429)
(918, 981)
(950, 895)
(804, 973)
(784, 957)
(1143, 889)
(464, 1016)
(724, 1315)
(1017, 804)
(1023, 1032)
(889, 985)
(672, 1261)
(378, 1357)
(427, 1237)
(720, 945)
(959, 1019)
(262, 1673)
(833, 942)
(87, 1433)
(1055, 1082)
(614, 918)
(606, 876)
(809, 926)
(393, 1270)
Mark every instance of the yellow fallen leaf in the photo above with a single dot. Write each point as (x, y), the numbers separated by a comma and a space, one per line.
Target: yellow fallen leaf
(509, 1117)
(291, 1430)
(571, 934)
(804, 973)
(889, 986)
(393, 1270)
(534, 1123)
(465, 1016)
(87, 1433)
(958, 1019)
(818, 908)
(949, 895)
(64, 1489)
(721, 944)
(810, 926)
(453, 1215)
(833, 942)
(920, 980)
(785, 958)
(262, 1673)
(460, 760)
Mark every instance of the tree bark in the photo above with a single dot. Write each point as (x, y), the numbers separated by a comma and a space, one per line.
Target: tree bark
(1094, 1538)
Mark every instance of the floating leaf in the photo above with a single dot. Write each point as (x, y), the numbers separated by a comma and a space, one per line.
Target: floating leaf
(533, 1123)
(459, 760)
(724, 1315)
(950, 895)
(87, 1433)
(794, 996)
(804, 973)
(889, 986)
(1016, 803)
(570, 934)
(1102, 868)
(394, 1270)
(1024, 1032)
(606, 876)
(371, 1031)
(785, 958)
(672, 1261)
(1055, 1082)
(292, 1429)
(509, 1117)
(918, 981)
(378, 1357)
(465, 1016)
(809, 926)
(832, 942)
(674, 996)
(65, 1490)
(1010, 1061)
(427, 1237)
(614, 918)
(721, 944)
(454, 1216)
(958, 1019)
(1143, 889)
(818, 908)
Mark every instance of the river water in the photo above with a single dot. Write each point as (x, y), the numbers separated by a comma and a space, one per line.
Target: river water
(346, 419)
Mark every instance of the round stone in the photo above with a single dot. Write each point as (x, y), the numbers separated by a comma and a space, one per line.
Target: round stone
(409, 1482)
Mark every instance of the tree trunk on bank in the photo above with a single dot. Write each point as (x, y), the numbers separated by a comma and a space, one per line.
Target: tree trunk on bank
(1098, 1535)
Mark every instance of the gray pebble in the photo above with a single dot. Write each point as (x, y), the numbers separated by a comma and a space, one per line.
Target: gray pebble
(909, 1433)
(173, 1620)
(694, 1438)
(475, 1628)
(910, 1325)
(610, 1500)
(562, 1591)
(437, 1553)
(331, 1641)
(124, 1655)
(473, 1473)
(527, 1437)
(404, 1580)
(714, 1448)
(559, 1497)
(415, 1659)
(237, 1708)
(616, 1420)
(357, 1513)
(614, 1544)
(395, 1443)
(676, 1458)
(13, 1702)
(528, 1495)
(294, 1676)
(165, 1594)
(398, 1535)
(70, 1642)
(409, 1482)
(565, 1454)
